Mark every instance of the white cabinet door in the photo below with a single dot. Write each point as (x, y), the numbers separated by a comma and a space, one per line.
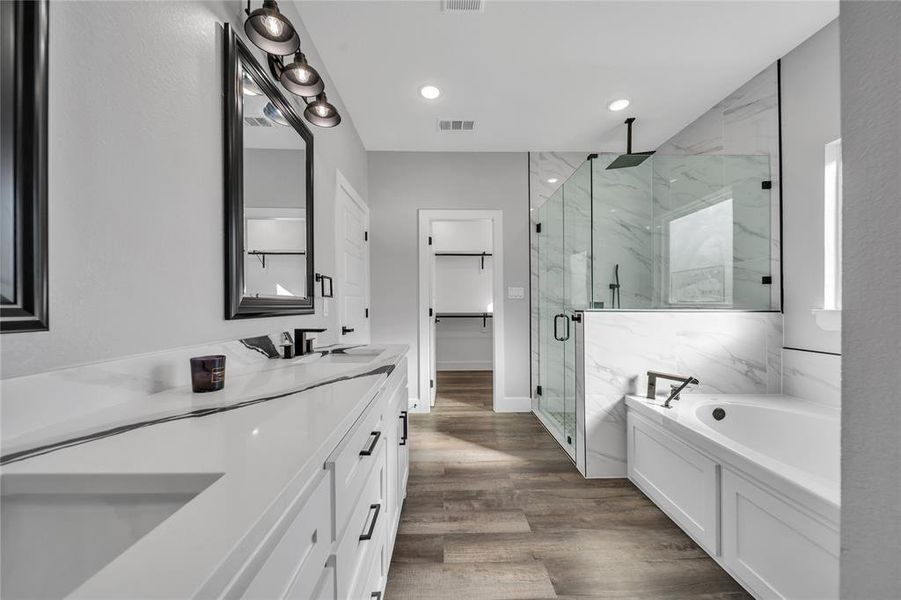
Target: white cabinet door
(776, 549)
(680, 480)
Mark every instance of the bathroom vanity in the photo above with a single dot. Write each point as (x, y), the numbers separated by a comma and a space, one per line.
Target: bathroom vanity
(287, 484)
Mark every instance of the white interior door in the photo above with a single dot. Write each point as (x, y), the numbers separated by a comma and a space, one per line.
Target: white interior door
(352, 264)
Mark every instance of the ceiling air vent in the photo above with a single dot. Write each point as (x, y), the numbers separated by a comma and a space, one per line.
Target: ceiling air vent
(463, 5)
(451, 125)
(258, 122)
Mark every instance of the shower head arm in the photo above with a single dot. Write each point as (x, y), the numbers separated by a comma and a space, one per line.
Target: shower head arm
(629, 122)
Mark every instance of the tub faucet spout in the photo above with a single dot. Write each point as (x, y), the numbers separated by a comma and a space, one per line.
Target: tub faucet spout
(653, 376)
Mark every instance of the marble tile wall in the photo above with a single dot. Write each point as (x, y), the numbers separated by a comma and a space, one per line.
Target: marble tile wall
(745, 123)
(812, 376)
(622, 233)
(729, 352)
(684, 184)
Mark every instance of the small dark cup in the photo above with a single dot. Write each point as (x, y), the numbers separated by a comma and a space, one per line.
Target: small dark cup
(208, 373)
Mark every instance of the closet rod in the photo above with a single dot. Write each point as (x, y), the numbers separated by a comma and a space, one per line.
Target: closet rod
(483, 316)
(476, 254)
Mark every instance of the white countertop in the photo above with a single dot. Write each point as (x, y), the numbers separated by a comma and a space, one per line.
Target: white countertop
(265, 453)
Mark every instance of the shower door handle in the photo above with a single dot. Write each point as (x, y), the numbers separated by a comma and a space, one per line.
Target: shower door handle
(556, 330)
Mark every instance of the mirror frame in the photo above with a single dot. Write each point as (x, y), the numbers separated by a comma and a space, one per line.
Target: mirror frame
(238, 306)
(25, 185)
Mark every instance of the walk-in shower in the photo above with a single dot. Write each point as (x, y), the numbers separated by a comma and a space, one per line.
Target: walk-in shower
(668, 233)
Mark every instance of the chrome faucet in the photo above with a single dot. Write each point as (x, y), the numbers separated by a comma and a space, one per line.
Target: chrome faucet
(653, 376)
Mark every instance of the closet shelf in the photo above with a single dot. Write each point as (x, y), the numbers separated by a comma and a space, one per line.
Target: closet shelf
(481, 255)
(484, 316)
(262, 254)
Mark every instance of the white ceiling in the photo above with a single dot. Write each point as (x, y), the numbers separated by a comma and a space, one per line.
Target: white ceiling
(538, 75)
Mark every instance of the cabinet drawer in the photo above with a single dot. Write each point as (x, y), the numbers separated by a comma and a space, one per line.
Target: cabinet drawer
(353, 461)
(364, 531)
(301, 552)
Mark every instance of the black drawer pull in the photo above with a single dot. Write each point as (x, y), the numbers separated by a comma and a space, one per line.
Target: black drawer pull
(345, 330)
(375, 440)
(375, 518)
(375, 596)
(403, 440)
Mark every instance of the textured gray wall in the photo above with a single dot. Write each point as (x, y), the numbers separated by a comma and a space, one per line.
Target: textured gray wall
(400, 183)
(871, 339)
(136, 184)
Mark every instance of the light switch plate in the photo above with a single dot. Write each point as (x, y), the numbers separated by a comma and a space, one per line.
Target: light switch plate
(516, 293)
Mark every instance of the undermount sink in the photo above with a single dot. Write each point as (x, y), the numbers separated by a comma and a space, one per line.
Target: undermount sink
(61, 529)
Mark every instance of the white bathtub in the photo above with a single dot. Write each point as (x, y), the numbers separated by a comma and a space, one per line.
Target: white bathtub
(758, 489)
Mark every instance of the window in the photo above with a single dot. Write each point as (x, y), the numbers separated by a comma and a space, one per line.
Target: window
(832, 290)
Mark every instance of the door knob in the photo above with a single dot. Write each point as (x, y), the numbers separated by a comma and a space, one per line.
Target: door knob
(345, 330)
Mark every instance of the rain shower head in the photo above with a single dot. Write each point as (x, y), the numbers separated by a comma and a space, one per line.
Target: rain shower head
(629, 159)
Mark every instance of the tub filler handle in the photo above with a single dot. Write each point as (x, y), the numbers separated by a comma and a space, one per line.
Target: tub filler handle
(653, 376)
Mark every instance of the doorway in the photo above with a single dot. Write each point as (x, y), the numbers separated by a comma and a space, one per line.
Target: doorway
(460, 301)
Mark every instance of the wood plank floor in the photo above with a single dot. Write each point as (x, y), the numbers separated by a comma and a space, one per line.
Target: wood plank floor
(496, 510)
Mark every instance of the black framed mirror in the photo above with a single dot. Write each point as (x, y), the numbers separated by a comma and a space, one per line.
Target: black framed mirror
(23, 150)
(268, 194)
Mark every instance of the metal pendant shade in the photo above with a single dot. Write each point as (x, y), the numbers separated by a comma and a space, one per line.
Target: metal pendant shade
(270, 31)
(321, 113)
(275, 115)
(301, 79)
(273, 33)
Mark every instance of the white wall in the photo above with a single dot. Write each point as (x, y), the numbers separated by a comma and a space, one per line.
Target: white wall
(136, 184)
(871, 304)
(400, 183)
(811, 118)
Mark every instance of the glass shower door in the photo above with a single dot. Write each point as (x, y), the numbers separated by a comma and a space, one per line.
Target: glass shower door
(576, 284)
(550, 311)
(564, 286)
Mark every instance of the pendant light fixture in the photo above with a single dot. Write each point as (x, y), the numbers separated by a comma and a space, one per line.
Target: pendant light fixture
(270, 30)
(321, 113)
(300, 78)
(273, 33)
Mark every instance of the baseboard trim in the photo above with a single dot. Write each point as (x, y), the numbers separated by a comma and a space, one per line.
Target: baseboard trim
(514, 404)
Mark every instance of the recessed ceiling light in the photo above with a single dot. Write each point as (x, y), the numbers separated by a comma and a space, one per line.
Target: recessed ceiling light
(553, 180)
(429, 92)
(620, 104)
